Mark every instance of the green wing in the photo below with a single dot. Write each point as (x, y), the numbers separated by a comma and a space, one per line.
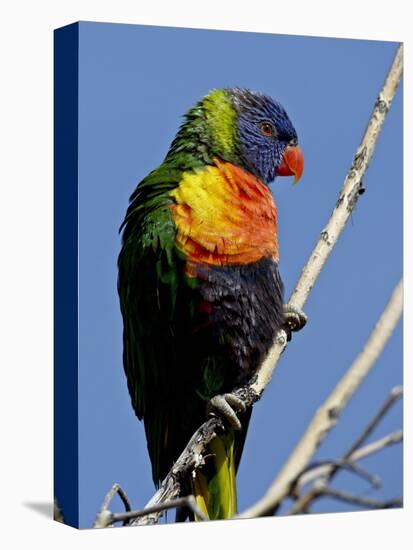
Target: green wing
(148, 285)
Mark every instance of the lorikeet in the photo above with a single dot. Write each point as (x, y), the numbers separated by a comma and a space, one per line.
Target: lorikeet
(200, 292)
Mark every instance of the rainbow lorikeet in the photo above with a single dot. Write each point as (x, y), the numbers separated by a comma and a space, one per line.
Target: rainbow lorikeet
(200, 292)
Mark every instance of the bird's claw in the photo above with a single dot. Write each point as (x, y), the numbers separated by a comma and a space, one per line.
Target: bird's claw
(294, 320)
(227, 406)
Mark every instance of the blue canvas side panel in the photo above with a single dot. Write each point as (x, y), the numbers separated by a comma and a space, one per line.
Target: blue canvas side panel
(66, 470)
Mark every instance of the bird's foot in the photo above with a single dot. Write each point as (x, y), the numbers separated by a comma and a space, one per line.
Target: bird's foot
(294, 320)
(227, 406)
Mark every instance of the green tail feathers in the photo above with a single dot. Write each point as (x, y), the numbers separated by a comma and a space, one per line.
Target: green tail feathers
(214, 486)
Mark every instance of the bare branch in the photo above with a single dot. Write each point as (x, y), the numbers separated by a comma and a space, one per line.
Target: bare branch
(361, 500)
(107, 518)
(321, 489)
(116, 489)
(104, 515)
(327, 415)
(376, 446)
(395, 394)
(323, 470)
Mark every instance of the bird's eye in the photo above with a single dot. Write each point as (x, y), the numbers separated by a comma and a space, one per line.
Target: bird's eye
(266, 129)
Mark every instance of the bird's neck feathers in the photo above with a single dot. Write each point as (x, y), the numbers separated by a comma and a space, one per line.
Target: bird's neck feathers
(208, 131)
(224, 216)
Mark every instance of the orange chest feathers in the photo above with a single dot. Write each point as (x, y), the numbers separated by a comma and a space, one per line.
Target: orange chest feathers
(224, 216)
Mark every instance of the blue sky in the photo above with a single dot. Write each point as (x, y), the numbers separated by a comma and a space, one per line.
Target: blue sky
(135, 84)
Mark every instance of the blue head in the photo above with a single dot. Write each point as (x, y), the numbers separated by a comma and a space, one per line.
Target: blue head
(267, 140)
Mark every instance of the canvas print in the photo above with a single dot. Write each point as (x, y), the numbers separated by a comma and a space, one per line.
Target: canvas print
(228, 275)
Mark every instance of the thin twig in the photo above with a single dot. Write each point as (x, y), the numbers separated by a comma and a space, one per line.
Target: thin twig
(116, 489)
(386, 441)
(361, 500)
(395, 394)
(323, 470)
(189, 501)
(321, 489)
(104, 513)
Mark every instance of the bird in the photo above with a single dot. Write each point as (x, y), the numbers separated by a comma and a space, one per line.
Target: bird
(200, 292)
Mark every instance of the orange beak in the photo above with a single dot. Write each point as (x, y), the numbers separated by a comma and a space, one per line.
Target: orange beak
(292, 163)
